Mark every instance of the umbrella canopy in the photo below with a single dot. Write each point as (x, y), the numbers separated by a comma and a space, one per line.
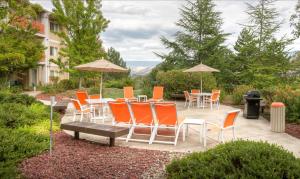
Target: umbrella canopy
(101, 66)
(201, 68)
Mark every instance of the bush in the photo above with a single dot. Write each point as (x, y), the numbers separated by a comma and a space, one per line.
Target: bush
(119, 83)
(8, 97)
(176, 81)
(16, 145)
(59, 87)
(14, 115)
(289, 96)
(238, 92)
(239, 159)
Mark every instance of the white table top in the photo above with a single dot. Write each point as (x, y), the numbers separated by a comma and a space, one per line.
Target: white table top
(201, 94)
(97, 101)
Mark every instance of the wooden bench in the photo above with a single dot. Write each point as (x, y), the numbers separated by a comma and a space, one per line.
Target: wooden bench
(61, 106)
(97, 129)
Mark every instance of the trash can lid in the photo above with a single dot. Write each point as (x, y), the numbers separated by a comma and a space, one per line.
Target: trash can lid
(277, 104)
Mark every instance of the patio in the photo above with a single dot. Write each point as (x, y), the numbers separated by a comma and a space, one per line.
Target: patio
(246, 129)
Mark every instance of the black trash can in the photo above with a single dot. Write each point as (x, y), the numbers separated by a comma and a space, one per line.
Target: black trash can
(252, 105)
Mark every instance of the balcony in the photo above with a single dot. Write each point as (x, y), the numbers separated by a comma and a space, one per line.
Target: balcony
(38, 26)
(24, 23)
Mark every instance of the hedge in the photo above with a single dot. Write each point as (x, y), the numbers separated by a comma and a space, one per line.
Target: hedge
(239, 159)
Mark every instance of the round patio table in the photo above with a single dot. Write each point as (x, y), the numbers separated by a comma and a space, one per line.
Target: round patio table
(201, 98)
(98, 102)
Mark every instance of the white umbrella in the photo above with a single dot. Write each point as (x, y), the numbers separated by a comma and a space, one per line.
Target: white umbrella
(101, 66)
(201, 68)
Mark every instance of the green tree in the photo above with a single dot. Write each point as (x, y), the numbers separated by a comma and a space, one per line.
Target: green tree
(82, 23)
(295, 21)
(200, 39)
(261, 59)
(20, 49)
(115, 57)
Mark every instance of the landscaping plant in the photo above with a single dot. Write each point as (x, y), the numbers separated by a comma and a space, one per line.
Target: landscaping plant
(239, 159)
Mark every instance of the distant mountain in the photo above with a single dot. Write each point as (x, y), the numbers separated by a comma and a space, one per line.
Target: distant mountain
(141, 68)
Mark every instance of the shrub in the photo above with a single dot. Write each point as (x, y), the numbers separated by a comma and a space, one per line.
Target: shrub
(289, 96)
(176, 81)
(119, 83)
(8, 97)
(14, 115)
(238, 92)
(16, 145)
(239, 159)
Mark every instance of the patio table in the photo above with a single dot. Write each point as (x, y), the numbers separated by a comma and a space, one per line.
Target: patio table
(95, 102)
(201, 98)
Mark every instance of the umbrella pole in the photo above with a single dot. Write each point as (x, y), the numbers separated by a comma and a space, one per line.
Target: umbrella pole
(101, 76)
(201, 83)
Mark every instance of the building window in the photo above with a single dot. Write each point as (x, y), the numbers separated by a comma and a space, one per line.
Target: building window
(52, 73)
(54, 27)
(53, 51)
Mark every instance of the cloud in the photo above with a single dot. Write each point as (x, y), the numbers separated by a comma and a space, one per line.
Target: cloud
(136, 26)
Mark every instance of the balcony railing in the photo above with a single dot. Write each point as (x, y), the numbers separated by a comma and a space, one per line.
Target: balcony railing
(22, 22)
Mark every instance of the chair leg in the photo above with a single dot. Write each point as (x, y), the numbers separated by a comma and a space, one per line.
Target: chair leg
(74, 116)
(177, 131)
(233, 131)
(153, 134)
(204, 134)
(130, 133)
(185, 103)
(222, 136)
(211, 105)
(81, 116)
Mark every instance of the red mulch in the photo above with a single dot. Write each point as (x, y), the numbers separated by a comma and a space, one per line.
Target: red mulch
(293, 130)
(82, 159)
(46, 97)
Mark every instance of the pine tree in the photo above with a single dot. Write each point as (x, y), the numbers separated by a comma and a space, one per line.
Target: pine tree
(295, 21)
(263, 57)
(200, 39)
(115, 57)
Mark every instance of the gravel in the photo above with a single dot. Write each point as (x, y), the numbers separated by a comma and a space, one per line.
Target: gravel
(83, 159)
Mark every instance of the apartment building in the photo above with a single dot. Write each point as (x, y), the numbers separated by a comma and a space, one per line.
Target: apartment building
(46, 72)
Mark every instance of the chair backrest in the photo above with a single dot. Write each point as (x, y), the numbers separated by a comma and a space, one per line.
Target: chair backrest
(95, 96)
(142, 113)
(120, 112)
(195, 91)
(158, 92)
(166, 113)
(128, 92)
(186, 95)
(215, 91)
(230, 118)
(76, 104)
(215, 96)
(120, 99)
(82, 96)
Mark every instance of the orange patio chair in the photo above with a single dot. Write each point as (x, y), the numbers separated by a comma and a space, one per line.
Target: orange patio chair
(129, 94)
(166, 115)
(82, 96)
(142, 116)
(195, 91)
(214, 100)
(215, 91)
(121, 115)
(189, 99)
(227, 123)
(79, 109)
(158, 94)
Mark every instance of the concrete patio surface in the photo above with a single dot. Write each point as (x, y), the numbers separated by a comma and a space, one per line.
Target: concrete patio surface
(249, 129)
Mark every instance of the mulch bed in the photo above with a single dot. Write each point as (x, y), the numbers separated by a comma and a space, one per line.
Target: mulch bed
(293, 129)
(46, 97)
(83, 159)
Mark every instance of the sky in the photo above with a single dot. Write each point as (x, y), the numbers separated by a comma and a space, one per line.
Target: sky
(136, 26)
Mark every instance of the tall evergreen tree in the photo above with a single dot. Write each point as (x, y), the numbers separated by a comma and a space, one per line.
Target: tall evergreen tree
(82, 23)
(200, 39)
(295, 20)
(263, 57)
(115, 57)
